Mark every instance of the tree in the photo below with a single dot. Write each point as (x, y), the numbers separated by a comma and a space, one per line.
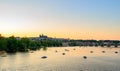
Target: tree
(3, 44)
(11, 44)
(23, 44)
(33, 45)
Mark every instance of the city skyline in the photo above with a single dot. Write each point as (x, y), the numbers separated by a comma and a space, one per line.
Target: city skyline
(74, 19)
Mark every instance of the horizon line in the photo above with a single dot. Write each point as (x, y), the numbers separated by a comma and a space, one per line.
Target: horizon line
(56, 37)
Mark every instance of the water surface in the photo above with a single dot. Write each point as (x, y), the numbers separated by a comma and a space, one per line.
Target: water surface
(72, 60)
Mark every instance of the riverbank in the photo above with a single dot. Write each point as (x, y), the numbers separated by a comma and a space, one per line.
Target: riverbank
(2, 52)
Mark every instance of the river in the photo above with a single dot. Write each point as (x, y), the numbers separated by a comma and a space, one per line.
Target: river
(98, 59)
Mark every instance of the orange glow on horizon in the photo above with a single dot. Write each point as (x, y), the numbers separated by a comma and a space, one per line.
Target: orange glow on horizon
(65, 35)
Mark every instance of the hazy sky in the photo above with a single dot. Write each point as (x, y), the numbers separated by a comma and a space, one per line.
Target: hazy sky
(78, 19)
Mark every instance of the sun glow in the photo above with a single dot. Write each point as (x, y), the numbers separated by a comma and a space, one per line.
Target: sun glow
(61, 18)
(9, 29)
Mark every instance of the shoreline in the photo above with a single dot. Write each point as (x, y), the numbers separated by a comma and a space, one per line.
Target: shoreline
(2, 52)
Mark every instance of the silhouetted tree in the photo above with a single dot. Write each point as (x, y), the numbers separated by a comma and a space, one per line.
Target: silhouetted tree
(12, 44)
(3, 44)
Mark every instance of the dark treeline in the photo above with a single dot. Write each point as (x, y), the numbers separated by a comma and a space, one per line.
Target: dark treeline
(12, 44)
(102, 43)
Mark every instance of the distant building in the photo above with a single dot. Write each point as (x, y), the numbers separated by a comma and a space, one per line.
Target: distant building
(18, 38)
(65, 44)
(41, 37)
(44, 37)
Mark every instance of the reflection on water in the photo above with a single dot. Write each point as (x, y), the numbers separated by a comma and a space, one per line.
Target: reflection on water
(72, 60)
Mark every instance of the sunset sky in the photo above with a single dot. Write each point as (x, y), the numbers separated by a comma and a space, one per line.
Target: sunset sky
(75, 19)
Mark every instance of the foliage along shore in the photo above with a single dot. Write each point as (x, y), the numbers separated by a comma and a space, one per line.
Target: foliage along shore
(12, 44)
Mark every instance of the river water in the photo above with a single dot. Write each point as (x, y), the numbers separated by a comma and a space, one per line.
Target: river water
(98, 59)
